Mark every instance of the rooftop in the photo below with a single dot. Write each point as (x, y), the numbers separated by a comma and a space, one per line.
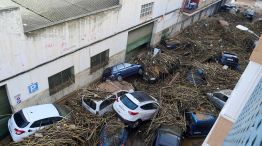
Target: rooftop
(38, 14)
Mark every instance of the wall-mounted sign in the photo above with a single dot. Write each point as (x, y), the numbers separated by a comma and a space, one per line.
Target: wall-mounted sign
(33, 87)
(18, 98)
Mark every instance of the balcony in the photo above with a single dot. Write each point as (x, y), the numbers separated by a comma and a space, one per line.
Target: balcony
(191, 7)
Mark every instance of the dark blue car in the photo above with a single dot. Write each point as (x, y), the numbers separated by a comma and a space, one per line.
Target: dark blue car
(199, 124)
(120, 71)
(168, 136)
(229, 59)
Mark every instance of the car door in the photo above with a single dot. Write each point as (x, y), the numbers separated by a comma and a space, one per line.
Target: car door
(121, 70)
(38, 125)
(149, 110)
(106, 105)
(90, 105)
(130, 69)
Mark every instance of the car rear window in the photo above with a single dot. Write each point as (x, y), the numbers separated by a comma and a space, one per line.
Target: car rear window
(128, 103)
(90, 103)
(20, 119)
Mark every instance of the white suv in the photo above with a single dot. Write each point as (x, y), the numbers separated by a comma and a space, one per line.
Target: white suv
(31, 119)
(135, 107)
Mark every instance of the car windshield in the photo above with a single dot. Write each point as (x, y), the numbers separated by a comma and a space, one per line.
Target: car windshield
(62, 110)
(20, 119)
(128, 103)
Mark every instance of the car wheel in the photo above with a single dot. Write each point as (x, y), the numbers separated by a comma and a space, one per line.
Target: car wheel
(119, 78)
(140, 71)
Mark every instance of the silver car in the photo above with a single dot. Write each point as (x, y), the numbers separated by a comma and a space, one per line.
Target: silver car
(219, 98)
(101, 107)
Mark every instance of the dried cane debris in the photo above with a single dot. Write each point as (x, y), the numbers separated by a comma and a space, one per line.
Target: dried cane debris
(82, 128)
(197, 44)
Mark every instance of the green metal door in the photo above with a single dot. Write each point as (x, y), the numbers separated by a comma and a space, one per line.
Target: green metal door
(139, 37)
(5, 112)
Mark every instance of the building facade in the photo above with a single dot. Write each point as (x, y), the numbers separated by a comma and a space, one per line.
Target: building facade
(48, 52)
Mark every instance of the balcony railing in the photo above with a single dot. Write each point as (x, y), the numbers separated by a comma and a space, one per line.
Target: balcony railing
(192, 6)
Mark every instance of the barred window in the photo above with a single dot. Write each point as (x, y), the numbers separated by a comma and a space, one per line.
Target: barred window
(99, 60)
(61, 80)
(146, 9)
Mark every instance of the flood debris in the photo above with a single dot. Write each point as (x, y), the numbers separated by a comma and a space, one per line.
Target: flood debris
(82, 128)
(176, 95)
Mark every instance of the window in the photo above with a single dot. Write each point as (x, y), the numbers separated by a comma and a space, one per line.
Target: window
(146, 9)
(120, 66)
(107, 102)
(99, 60)
(40, 123)
(149, 106)
(128, 103)
(55, 119)
(90, 103)
(221, 96)
(61, 80)
(20, 119)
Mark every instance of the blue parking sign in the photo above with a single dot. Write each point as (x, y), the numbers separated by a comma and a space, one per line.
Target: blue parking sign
(33, 87)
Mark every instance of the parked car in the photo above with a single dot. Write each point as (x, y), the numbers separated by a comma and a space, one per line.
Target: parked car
(31, 119)
(249, 14)
(120, 71)
(100, 107)
(169, 43)
(229, 59)
(219, 98)
(168, 136)
(136, 107)
(198, 124)
(229, 7)
(119, 138)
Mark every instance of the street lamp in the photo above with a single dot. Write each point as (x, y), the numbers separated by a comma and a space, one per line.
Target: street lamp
(243, 28)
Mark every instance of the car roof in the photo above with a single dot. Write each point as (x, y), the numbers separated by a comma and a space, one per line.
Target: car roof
(171, 129)
(142, 96)
(38, 112)
(168, 139)
(203, 118)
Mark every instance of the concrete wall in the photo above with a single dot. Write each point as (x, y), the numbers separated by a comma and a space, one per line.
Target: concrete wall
(35, 56)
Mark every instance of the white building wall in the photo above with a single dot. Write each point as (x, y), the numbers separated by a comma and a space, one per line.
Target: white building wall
(37, 53)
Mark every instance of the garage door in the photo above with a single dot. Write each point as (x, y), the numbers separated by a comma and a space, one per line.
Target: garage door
(139, 37)
(5, 110)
